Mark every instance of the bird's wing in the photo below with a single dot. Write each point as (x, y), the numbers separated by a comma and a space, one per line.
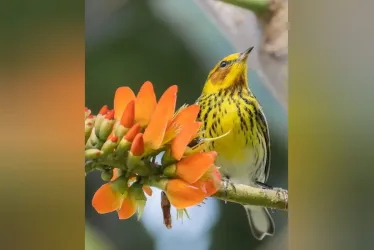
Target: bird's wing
(262, 119)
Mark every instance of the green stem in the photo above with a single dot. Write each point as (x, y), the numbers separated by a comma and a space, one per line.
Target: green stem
(246, 195)
(156, 181)
(257, 6)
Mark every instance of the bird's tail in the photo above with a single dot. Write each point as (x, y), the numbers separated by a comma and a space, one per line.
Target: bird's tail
(260, 221)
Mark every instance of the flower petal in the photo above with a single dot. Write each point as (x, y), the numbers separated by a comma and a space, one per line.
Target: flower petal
(106, 200)
(128, 208)
(137, 147)
(192, 168)
(130, 135)
(104, 110)
(115, 174)
(163, 113)
(180, 142)
(145, 104)
(110, 115)
(186, 115)
(147, 189)
(210, 182)
(182, 194)
(127, 119)
(122, 97)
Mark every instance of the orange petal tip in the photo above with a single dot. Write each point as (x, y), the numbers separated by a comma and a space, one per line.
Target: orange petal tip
(115, 174)
(187, 115)
(154, 133)
(127, 119)
(137, 147)
(130, 135)
(114, 138)
(103, 110)
(110, 115)
(180, 142)
(147, 189)
(105, 200)
(145, 104)
(122, 97)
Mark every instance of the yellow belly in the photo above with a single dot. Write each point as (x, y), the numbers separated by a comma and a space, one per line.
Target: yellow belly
(238, 150)
(235, 144)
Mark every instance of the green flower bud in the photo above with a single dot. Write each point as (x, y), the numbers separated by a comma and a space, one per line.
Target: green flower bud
(120, 130)
(169, 171)
(167, 158)
(133, 161)
(109, 145)
(92, 153)
(88, 126)
(107, 174)
(123, 146)
(87, 112)
(106, 128)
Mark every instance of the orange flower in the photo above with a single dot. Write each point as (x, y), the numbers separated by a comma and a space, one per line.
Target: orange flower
(183, 195)
(135, 131)
(106, 200)
(154, 133)
(122, 97)
(147, 189)
(210, 182)
(184, 116)
(127, 119)
(145, 104)
(181, 129)
(128, 207)
(179, 144)
(192, 168)
(131, 134)
(137, 147)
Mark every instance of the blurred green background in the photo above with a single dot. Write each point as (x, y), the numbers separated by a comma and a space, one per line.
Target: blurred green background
(136, 42)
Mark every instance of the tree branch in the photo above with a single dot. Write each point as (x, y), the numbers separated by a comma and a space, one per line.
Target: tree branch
(271, 198)
(258, 6)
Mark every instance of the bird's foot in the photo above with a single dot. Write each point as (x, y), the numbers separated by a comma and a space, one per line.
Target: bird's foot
(265, 186)
(226, 183)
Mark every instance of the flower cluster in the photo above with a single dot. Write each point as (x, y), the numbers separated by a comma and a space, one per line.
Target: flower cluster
(123, 143)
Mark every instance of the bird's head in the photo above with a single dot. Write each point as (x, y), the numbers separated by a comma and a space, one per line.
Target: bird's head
(231, 71)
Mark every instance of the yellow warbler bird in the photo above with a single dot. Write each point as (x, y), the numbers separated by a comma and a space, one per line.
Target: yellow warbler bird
(229, 110)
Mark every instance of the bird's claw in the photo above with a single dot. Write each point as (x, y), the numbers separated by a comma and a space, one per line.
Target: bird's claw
(226, 183)
(263, 185)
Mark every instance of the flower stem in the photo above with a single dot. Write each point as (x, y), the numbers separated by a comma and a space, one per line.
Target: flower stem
(156, 181)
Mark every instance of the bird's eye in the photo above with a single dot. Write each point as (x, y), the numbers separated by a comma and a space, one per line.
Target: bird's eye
(223, 64)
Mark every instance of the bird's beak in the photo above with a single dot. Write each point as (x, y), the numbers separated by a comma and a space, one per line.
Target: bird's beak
(244, 55)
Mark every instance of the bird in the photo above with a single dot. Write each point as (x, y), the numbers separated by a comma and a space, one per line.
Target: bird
(231, 113)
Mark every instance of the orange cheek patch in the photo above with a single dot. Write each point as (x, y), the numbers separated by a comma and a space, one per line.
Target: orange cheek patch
(219, 75)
